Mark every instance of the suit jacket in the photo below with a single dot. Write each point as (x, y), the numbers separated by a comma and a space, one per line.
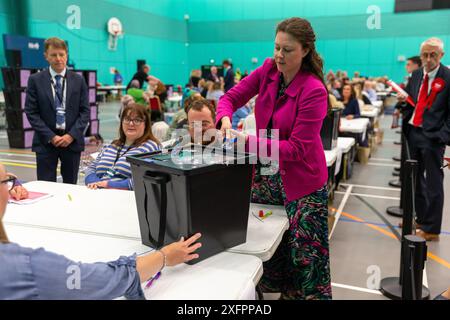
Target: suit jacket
(298, 115)
(229, 80)
(436, 120)
(41, 112)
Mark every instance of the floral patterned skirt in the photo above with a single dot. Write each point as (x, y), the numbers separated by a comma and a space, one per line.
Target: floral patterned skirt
(300, 267)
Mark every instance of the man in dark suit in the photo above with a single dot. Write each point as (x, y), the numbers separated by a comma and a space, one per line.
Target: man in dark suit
(228, 74)
(428, 132)
(58, 110)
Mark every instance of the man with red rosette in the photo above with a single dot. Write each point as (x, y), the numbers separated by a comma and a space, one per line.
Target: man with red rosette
(428, 132)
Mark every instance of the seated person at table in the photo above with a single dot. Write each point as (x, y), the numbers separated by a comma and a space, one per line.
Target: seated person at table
(36, 274)
(369, 91)
(215, 91)
(94, 140)
(180, 118)
(17, 191)
(111, 169)
(202, 114)
(351, 104)
(334, 102)
(361, 96)
(124, 101)
(139, 95)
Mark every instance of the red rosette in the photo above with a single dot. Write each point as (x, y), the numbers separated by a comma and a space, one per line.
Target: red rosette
(437, 86)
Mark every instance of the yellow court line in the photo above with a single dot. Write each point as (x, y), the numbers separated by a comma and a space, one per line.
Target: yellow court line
(377, 228)
(19, 165)
(430, 255)
(14, 151)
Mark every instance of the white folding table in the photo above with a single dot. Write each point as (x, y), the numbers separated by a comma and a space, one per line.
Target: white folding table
(225, 276)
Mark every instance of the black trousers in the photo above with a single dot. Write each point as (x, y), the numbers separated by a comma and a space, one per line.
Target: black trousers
(429, 197)
(48, 162)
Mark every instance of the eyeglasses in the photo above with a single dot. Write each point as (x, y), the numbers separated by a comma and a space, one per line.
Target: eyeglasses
(432, 55)
(10, 181)
(204, 124)
(136, 121)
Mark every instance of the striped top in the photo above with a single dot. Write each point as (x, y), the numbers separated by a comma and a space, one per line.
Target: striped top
(106, 165)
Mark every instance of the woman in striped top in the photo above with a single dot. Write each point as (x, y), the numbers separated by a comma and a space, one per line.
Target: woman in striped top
(111, 169)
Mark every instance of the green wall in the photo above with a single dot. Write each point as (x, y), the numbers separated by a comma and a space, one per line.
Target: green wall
(242, 30)
(160, 40)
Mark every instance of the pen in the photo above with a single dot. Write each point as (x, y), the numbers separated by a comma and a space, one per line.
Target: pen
(149, 283)
(70, 197)
(257, 217)
(444, 166)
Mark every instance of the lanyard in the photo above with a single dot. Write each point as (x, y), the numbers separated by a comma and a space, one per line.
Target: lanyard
(60, 98)
(118, 155)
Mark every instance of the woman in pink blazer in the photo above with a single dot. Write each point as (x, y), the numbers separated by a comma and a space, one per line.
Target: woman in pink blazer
(292, 103)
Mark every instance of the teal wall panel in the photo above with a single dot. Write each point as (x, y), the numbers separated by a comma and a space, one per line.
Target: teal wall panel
(343, 37)
(158, 39)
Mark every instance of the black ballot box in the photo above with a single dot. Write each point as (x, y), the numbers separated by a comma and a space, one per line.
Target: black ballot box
(200, 190)
(330, 129)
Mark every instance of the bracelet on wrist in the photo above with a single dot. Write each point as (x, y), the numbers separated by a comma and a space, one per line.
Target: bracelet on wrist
(164, 260)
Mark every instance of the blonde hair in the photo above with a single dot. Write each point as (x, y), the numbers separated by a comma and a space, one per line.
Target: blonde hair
(3, 236)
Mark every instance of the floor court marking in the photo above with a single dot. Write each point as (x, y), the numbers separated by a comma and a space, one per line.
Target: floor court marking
(368, 195)
(382, 164)
(344, 286)
(16, 151)
(340, 209)
(25, 155)
(383, 225)
(383, 159)
(370, 187)
(18, 161)
(13, 164)
(430, 255)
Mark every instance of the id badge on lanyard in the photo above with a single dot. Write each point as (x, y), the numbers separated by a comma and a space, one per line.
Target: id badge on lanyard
(110, 172)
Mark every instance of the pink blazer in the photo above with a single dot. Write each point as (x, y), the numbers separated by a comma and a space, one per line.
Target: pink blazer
(298, 116)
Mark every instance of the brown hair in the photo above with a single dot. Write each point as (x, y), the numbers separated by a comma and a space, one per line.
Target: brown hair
(200, 104)
(142, 112)
(352, 91)
(189, 100)
(56, 43)
(3, 236)
(303, 32)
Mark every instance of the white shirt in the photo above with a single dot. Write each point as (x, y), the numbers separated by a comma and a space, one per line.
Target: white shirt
(53, 74)
(431, 77)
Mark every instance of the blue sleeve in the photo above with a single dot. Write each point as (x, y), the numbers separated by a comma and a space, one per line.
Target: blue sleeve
(91, 178)
(90, 281)
(91, 174)
(121, 184)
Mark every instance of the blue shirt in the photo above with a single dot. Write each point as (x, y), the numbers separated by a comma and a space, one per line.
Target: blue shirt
(372, 94)
(106, 160)
(41, 275)
(240, 113)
